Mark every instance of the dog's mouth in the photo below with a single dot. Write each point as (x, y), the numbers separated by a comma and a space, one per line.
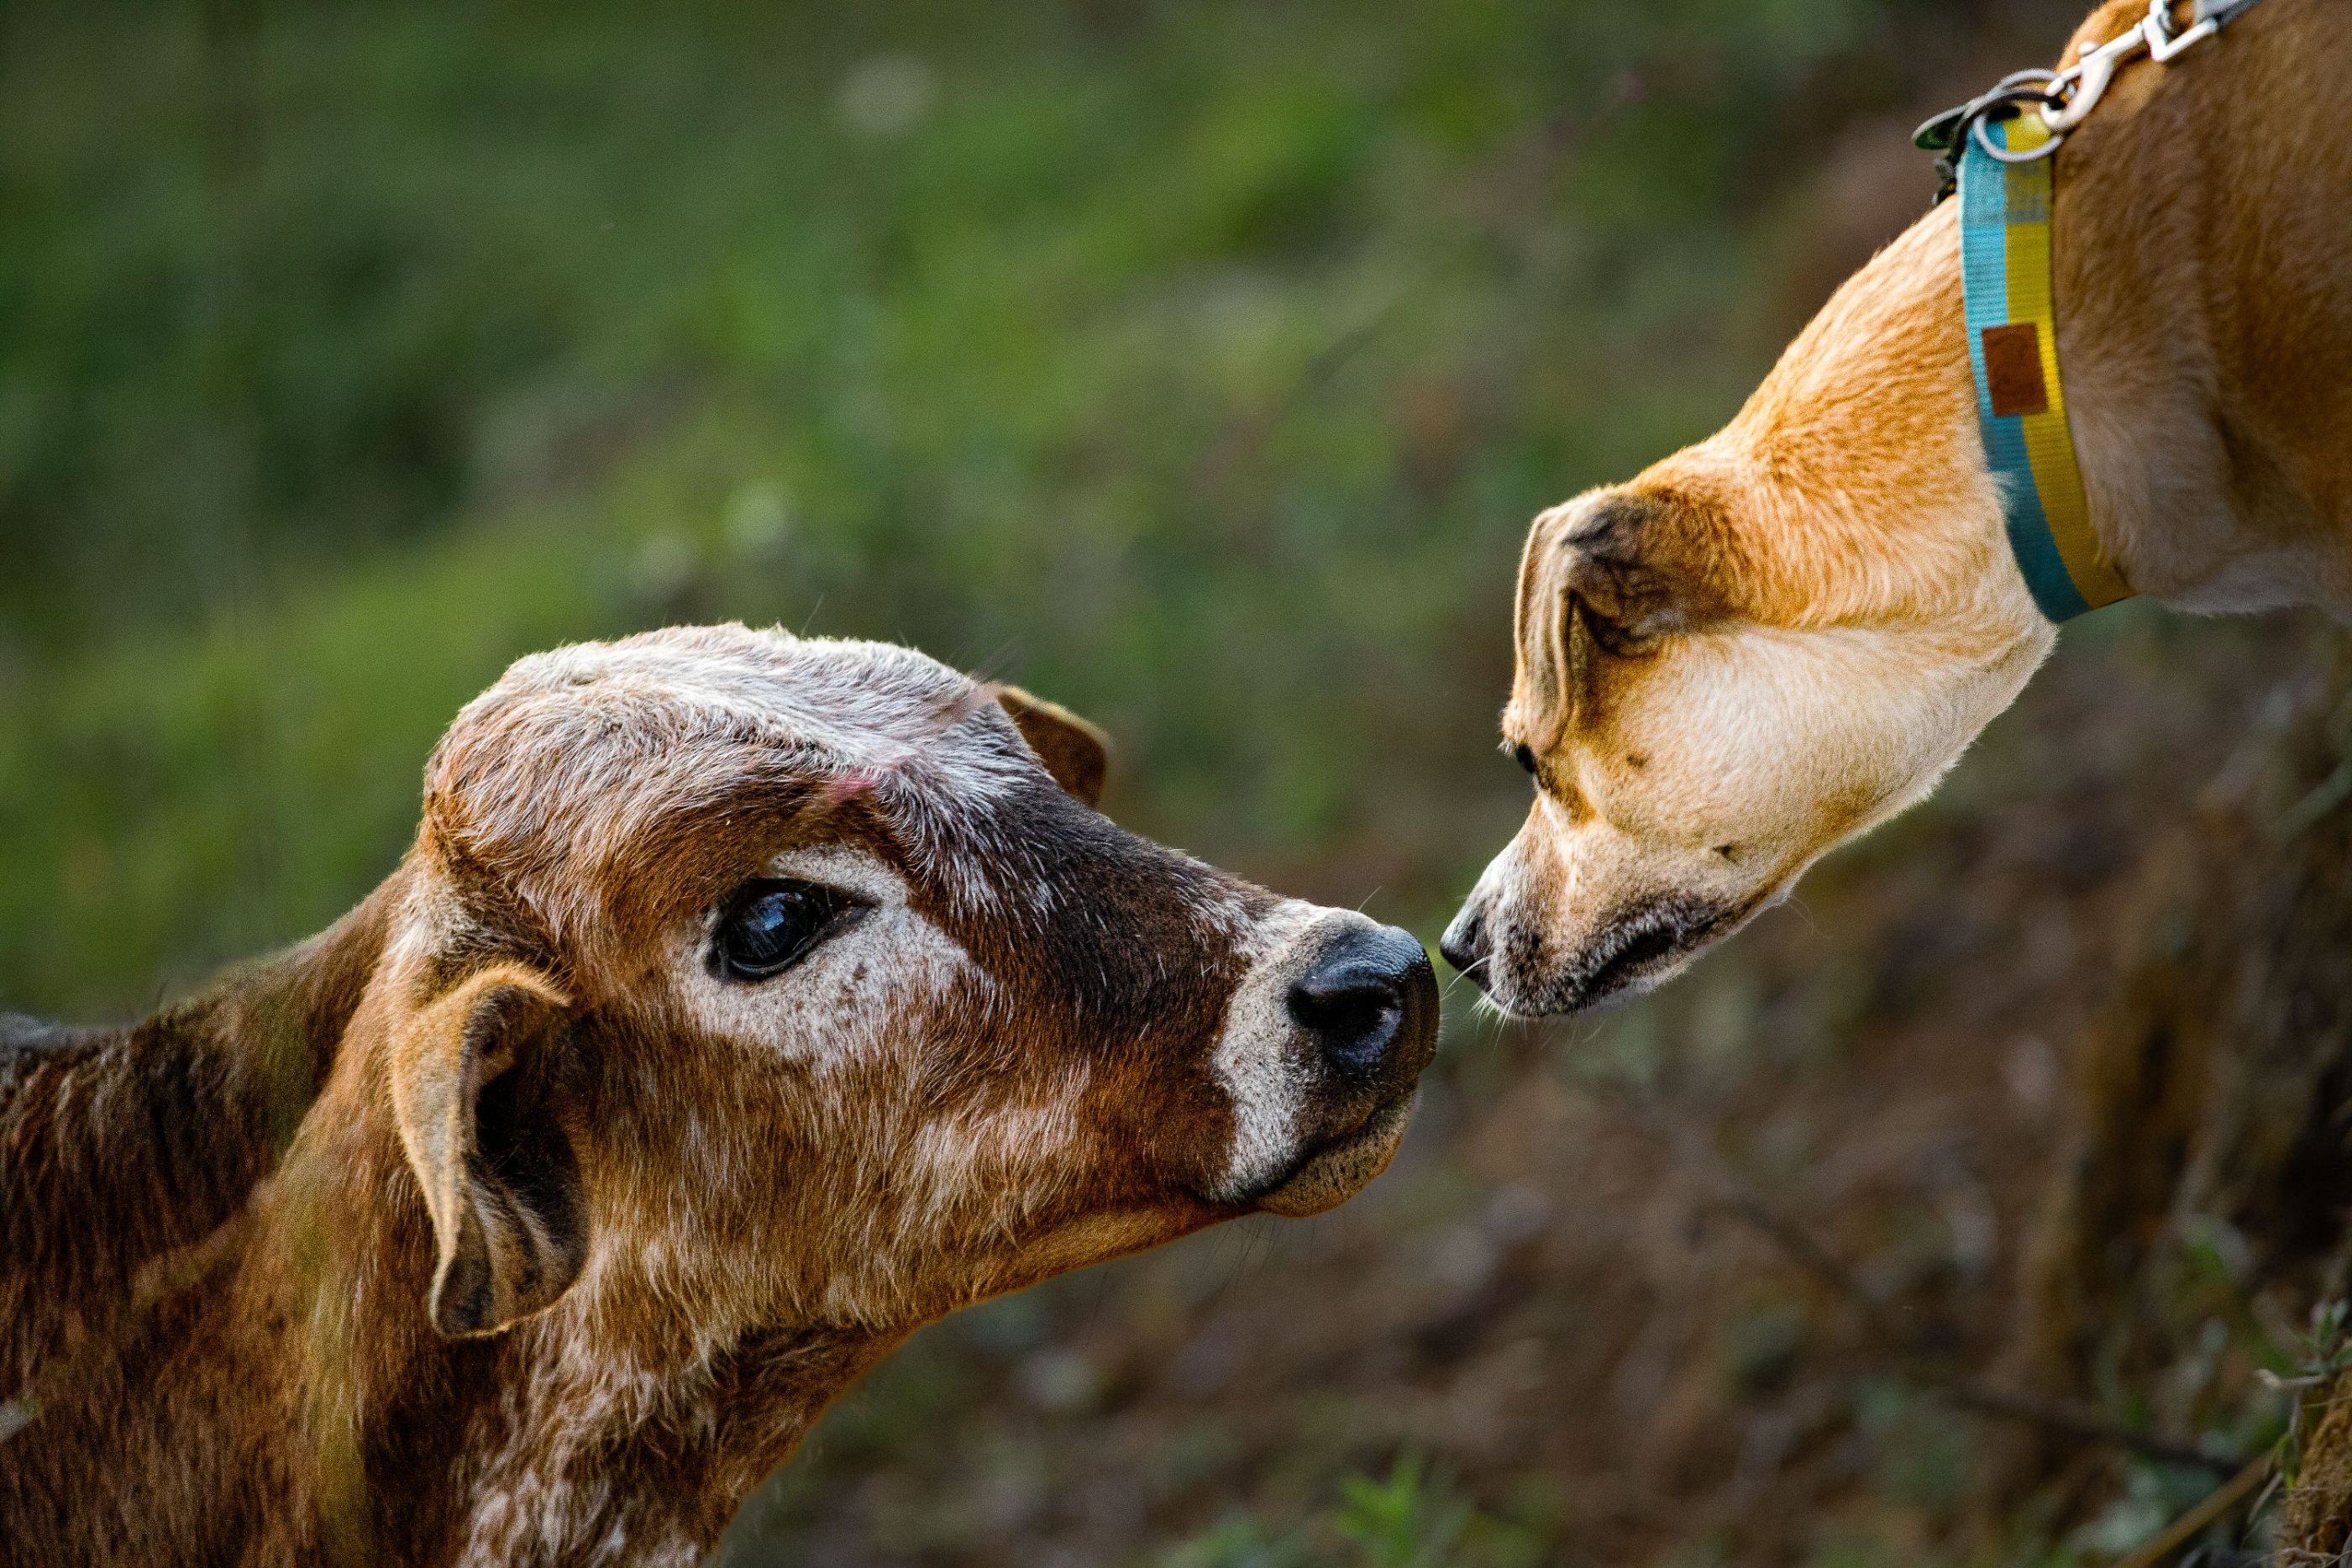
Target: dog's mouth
(1339, 1167)
(1639, 951)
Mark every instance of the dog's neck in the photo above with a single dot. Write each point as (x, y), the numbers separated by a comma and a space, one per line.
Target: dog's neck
(252, 1326)
(2202, 320)
(1853, 479)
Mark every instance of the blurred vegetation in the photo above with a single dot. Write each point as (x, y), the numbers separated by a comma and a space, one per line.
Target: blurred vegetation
(1199, 365)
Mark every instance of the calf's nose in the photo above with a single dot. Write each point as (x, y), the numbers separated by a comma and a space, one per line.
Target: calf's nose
(1369, 1001)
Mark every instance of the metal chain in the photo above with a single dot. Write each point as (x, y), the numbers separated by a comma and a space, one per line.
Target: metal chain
(2065, 98)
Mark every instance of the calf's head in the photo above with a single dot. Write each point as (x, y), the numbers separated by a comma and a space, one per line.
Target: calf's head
(753, 980)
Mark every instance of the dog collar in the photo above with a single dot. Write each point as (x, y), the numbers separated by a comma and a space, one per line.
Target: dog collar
(2013, 352)
(1996, 150)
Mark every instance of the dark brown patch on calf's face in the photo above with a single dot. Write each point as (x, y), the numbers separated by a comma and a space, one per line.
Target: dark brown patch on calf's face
(1124, 956)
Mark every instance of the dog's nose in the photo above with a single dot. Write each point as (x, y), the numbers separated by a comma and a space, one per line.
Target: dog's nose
(1464, 944)
(1368, 994)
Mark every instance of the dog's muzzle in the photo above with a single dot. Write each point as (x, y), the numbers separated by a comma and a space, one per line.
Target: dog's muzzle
(1513, 965)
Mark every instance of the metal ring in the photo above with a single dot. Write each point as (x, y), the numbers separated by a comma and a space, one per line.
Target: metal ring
(2002, 154)
(2048, 89)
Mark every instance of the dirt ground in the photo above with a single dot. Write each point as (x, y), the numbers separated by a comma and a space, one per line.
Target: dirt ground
(1931, 1221)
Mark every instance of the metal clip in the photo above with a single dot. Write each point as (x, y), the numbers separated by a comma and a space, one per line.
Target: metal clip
(2163, 43)
(2024, 90)
(2082, 85)
(1947, 135)
(2085, 81)
(2065, 98)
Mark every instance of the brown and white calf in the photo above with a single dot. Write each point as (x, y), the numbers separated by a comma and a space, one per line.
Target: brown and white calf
(744, 1003)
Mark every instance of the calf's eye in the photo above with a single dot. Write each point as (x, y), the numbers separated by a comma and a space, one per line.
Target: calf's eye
(772, 923)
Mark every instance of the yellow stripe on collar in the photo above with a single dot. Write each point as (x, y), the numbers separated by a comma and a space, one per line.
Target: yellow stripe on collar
(2013, 351)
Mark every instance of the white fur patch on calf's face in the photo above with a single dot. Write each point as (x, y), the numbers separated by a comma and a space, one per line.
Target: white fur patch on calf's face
(1257, 1058)
(846, 996)
(598, 738)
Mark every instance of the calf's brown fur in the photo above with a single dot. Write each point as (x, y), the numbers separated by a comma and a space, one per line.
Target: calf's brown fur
(505, 1223)
(1776, 639)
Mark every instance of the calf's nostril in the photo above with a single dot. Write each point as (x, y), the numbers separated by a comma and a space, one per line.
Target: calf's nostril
(1352, 1009)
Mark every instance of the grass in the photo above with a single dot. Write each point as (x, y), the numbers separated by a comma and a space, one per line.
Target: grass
(1199, 367)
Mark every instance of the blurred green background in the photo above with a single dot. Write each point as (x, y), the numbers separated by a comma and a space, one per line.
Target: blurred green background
(1198, 365)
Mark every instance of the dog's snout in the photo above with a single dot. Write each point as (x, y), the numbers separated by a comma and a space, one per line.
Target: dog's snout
(1369, 994)
(1465, 944)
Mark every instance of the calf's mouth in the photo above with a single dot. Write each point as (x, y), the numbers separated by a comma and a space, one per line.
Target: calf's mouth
(1337, 1169)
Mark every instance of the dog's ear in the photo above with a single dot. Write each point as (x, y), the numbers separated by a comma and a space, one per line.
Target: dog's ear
(1633, 566)
(1077, 754)
(1638, 563)
(500, 1184)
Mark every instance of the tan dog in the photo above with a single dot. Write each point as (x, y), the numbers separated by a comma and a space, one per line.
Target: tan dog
(744, 1003)
(1772, 641)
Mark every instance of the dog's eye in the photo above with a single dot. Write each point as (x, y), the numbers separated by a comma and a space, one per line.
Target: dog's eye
(1524, 757)
(771, 925)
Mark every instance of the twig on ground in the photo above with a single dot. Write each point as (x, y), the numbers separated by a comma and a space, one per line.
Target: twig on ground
(2197, 1519)
(1735, 1196)
(1987, 1399)
(1743, 1203)
(2076, 1421)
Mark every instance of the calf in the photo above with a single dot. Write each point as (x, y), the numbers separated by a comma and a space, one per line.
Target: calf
(744, 1003)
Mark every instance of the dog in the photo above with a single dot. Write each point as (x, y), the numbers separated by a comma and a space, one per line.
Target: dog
(745, 1002)
(1773, 640)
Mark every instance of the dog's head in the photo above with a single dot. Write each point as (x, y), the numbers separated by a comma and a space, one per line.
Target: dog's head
(753, 979)
(1705, 711)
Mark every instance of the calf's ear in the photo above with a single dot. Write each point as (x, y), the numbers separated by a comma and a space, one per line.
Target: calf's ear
(508, 1228)
(1077, 754)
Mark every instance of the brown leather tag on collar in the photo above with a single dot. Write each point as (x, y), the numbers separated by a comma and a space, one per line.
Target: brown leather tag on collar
(2012, 358)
